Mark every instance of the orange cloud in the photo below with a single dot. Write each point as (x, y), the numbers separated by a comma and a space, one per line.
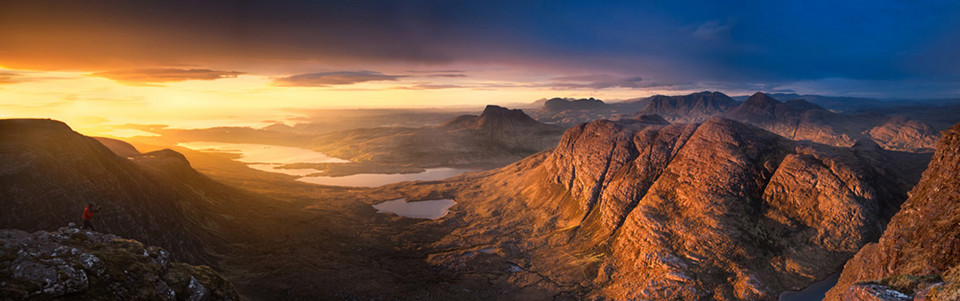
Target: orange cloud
(9, 77)
(325, 79)
(160, 75)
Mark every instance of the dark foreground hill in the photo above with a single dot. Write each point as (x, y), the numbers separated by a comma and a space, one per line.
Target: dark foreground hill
(75, 264)
(918, 255)
(48, 173)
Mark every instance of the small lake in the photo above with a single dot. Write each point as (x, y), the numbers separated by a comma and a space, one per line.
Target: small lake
(374, 180)
(429, 209)
(263, 153)
(816, 291)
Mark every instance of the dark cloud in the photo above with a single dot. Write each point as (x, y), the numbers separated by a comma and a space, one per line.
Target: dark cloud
(325, 79)
(596, 82)
(162, 75)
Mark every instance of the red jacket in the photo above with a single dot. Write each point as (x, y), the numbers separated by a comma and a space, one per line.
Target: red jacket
(88, 214)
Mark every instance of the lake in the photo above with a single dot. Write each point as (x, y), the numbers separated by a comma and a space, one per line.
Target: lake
(263, 153)
(271, 158)
(374, 180)
(429, 209)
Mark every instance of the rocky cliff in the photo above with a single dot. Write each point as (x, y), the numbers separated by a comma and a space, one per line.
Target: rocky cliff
(918, 256)
(77, 264)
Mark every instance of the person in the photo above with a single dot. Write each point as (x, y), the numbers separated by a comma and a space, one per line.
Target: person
(88, 216)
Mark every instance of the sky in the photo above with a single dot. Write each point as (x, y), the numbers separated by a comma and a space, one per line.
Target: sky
(98, 64)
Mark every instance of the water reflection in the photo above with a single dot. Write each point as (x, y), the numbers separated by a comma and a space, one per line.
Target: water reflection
(374, 180)
(430, 209)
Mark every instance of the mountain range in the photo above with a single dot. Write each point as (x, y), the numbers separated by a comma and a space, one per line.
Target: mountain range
(761, 198)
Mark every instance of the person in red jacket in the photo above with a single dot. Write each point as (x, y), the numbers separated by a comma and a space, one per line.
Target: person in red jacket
(88, 216)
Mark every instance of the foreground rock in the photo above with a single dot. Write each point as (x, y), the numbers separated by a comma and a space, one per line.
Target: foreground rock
(74, 263)
(918, 256)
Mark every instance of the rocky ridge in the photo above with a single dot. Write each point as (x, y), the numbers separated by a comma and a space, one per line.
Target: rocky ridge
(918, 256)
(720, 210)
(79, 264)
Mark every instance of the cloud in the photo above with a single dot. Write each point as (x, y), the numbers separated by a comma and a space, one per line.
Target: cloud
(713, 31)
(438, 73)
(7, 77)
(326, 79)
(161, 75)
(444, 75)
(431, 87)
(595, 82)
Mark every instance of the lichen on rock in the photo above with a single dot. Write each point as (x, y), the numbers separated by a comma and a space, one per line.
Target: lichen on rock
(71, 262)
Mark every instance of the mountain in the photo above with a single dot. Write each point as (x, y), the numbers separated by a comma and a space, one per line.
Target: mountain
(568, 112)
(71, 263)
(801, 120)
(562, 104)
(493, 119)
(48, 173)
(121, 148)
(496, 137)
(696, 107)
(919, 252)
(857, 104)
(629, 210)
(833, 103)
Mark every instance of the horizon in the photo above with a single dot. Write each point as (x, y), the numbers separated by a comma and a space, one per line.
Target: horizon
(97, 64)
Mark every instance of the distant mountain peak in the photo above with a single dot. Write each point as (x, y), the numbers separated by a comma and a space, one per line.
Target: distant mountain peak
(493, 116)
(761, 100)
(495, 111)
(562, 104)
(696, 107)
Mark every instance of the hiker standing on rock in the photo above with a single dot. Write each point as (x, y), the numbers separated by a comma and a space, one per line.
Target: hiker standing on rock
(88, 216)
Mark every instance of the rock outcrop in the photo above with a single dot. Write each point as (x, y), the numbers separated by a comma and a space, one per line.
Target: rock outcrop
(918, 256)
(78, 264)
(901, 133)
